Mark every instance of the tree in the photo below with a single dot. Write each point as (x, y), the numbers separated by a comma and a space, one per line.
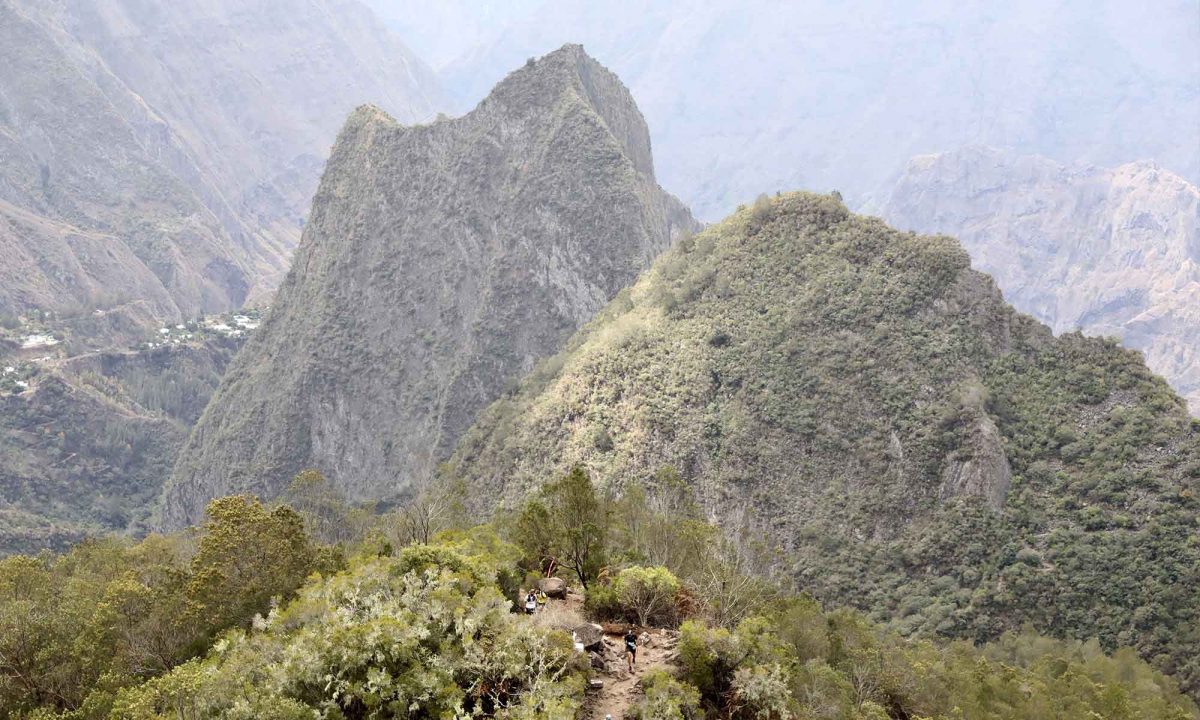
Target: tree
(580, 518)
(326, 514)
(649, 593)
(247, 556)
(536, 535)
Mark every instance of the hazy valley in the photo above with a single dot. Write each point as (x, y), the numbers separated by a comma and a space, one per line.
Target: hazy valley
(458, 411)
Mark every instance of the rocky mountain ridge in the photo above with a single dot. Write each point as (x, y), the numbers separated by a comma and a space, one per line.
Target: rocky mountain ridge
(759, 96)
(440, 262)
(1112, 252)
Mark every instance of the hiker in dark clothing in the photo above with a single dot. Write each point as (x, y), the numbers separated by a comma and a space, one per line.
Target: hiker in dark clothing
(631, 640)
(530, 603)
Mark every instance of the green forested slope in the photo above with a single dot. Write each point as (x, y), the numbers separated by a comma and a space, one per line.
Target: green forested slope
(871, 403)
(220, 622)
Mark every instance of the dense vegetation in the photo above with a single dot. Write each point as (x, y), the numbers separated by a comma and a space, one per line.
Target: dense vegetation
(87, 442)
(221, 623)
(917, 449)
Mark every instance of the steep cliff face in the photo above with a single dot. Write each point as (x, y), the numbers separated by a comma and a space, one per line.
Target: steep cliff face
(1113, 252)
(176, 145)
(870, 403)
(440, 262)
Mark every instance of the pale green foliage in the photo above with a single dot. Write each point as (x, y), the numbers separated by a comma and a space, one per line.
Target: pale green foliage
(766, 669)
(665, 698)
(423, 634)
(648, 593)
(761, 692)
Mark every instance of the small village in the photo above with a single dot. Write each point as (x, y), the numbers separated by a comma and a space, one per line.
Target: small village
(28, 344)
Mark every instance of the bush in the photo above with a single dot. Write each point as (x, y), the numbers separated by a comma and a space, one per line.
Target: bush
(761, 692)
(666, 698)
(602, 603)
(647, 594)
(411, 636)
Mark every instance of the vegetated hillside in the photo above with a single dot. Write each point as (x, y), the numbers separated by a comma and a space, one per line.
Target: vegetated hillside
(750, 95)
(156, 158)
(1114, 252)
(248, 616)
(86, 442)
(440, 262)
(920, 450)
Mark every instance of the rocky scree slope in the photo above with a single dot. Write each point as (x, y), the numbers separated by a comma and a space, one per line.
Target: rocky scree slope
(871, 404)
(1113, 252)
(157, 158)
(440, 262)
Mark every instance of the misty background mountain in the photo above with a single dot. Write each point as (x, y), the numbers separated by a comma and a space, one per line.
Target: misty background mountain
(747, 97)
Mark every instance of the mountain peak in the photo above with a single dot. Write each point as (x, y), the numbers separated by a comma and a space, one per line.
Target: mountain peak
(571, 77)
(440, 262)
(871, 403)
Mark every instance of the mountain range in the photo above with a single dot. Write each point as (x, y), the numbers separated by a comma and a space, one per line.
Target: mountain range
(510, 294)
(158, 158)
(759, 96)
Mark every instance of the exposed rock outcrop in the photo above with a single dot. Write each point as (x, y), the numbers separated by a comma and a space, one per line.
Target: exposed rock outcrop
(440, 263)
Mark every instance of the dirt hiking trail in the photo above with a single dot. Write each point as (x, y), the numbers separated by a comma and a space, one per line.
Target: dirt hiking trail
(618, 689)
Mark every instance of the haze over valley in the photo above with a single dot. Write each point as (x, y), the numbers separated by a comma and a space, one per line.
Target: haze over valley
(552, 361)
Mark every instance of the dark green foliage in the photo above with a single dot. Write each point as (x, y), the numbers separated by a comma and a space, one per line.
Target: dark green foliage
(579, 524)
(76, 628)
(917, 448)
(86, 448)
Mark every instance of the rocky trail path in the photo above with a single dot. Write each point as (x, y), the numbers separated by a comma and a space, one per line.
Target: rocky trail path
(617, 689)
(622, 690)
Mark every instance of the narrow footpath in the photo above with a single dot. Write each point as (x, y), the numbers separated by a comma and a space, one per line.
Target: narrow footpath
(618, 690)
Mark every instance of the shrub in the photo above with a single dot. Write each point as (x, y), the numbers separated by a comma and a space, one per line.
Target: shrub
(666, 698)
(761, 692)
(602, 603)
(647, 594)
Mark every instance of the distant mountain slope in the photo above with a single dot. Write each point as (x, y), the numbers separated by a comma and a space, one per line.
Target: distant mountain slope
(755, 96)
(190, 136)
(440, 262)
(85, 449)
(1112, 252)
(870, 403)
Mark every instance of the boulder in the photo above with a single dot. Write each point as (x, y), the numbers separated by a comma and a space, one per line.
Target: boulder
(590, 636)
(553, 587)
